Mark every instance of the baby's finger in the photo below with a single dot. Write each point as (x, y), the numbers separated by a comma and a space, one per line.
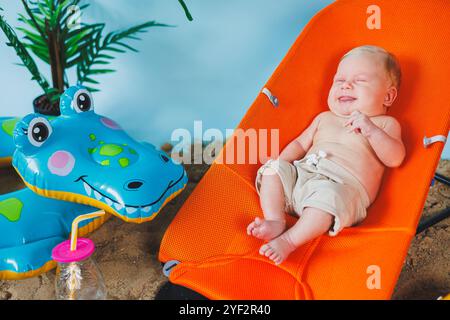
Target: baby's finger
(349, 122)
(353, 128)
(354, 116)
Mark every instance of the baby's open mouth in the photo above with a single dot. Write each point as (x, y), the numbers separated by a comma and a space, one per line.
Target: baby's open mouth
(346, 99)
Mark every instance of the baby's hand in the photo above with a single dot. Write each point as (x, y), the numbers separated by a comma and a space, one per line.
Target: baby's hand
(360, 123)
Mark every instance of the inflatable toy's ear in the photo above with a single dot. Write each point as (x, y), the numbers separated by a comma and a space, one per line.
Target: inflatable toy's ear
(32, 132)
(76, 99)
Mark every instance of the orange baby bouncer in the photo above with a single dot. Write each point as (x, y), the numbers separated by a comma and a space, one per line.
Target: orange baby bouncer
(214, 255)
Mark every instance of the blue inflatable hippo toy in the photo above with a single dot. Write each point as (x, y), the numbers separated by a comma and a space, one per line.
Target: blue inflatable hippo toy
(30, 226)
(87, 158)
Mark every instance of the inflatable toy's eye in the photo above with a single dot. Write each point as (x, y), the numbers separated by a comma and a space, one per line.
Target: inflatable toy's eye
(164, 158)
(38, 131)
(82, 101)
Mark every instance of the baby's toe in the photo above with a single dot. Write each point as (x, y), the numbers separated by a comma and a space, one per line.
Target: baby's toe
(250, 228)
(256, 232)
(263, 249)
(269, 252)
(274, 256)
(280, 259)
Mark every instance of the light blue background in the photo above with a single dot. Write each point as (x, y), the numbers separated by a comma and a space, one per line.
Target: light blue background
(210, 69)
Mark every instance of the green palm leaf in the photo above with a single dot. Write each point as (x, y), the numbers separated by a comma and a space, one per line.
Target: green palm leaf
(186, 10)
(48, 35)
(94, 53)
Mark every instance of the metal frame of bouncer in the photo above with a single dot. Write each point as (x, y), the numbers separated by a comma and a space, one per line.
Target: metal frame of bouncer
(441, 215)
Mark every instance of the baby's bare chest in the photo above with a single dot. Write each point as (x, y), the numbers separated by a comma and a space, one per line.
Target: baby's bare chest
(332, 129)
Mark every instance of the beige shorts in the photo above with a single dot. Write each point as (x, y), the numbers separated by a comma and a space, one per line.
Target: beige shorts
(321, 184)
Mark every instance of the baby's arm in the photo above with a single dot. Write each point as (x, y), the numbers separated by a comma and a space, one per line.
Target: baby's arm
(298, 147)
(386, 143)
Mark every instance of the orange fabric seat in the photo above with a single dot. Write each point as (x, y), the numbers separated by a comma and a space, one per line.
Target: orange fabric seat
(208, 235)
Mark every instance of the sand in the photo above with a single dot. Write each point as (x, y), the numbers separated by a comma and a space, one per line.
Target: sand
(127, 253)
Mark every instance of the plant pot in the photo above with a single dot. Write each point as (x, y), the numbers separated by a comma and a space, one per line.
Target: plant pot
(43, 106)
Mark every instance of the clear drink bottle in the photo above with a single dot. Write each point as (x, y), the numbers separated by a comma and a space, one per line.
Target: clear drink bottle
(77, 274)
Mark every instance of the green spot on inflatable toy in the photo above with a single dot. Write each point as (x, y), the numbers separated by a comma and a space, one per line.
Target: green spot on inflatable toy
(11, 209)
(110, 150)
(8, 126)
(124, 162)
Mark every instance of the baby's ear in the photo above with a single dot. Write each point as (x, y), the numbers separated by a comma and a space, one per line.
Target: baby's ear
(390, 96)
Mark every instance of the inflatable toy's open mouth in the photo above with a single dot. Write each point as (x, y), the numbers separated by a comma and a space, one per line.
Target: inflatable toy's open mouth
(120, 206)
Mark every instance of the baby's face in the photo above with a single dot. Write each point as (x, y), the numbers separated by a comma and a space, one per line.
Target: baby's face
(361, 83)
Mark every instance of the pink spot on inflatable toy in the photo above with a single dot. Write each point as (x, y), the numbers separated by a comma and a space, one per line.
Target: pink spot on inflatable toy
(61, 163)
(110, 124)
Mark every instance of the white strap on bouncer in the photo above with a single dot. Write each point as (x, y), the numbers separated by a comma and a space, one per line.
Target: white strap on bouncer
(272, 98)
(438, 138)
(168, 266)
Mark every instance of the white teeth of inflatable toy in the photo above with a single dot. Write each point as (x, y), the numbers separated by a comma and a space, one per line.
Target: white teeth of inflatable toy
(97, 195)
(118, 206)
(108, 201)
(146, 209)
(130, 210)
(87, 188)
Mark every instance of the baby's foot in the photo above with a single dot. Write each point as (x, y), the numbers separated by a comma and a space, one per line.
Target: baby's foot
(278, 249)
(266, 229)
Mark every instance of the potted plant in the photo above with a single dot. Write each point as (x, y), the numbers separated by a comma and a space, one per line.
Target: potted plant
(52, 35)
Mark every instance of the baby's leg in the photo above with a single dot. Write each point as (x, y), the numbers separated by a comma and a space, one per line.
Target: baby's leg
(311, 224)
(272, 201)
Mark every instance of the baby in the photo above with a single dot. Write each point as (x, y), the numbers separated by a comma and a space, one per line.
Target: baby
(343, 154)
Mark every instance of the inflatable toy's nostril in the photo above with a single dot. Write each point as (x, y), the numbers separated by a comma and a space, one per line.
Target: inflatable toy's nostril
(134, 185)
